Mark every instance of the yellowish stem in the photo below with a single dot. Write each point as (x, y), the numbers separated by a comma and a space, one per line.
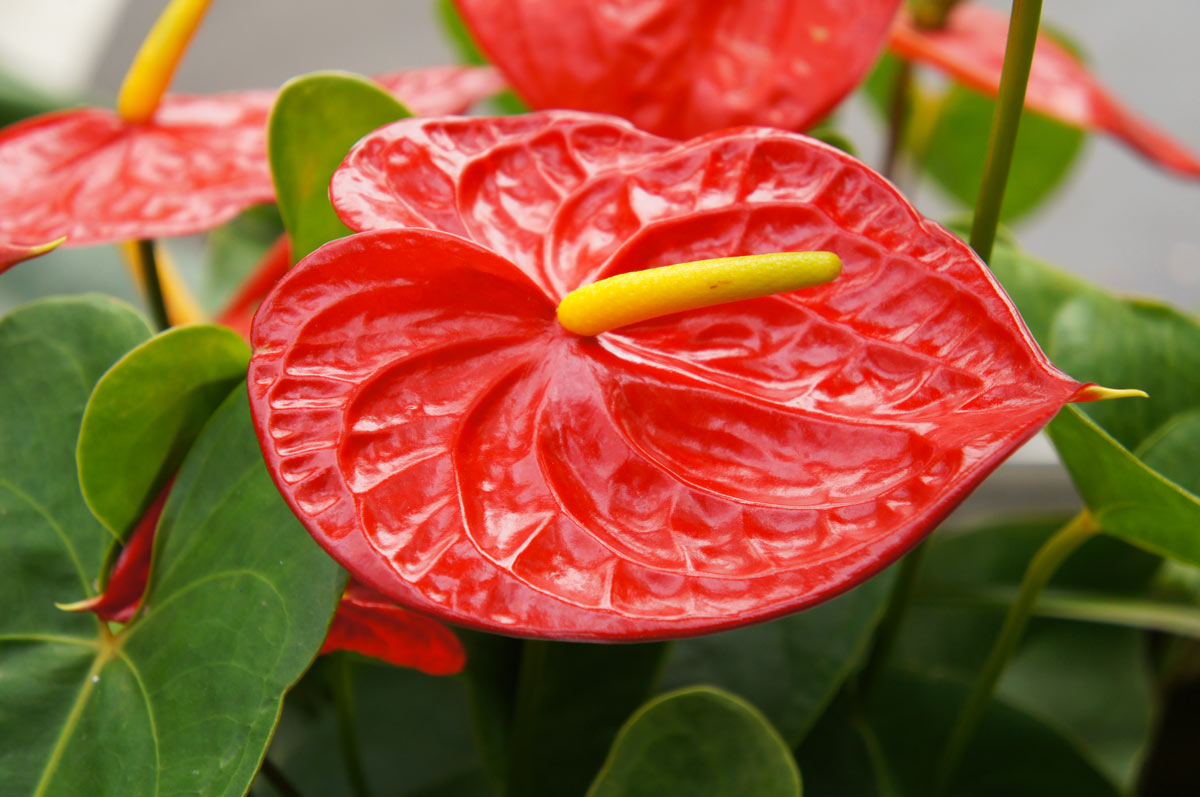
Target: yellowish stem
(642, 295)
(155, 63)
(182, 307)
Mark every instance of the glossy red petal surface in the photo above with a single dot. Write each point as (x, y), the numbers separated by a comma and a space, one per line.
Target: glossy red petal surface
(440, 90)
(95, 178)
(686, 474)
(368, 623)
(971, 49)
(680, 68)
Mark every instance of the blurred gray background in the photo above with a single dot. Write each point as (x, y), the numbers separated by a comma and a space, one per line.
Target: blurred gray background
(1118, 220)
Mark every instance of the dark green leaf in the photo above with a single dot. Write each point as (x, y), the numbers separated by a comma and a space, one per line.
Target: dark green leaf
(182, 699)
(491, 675)
(841, 756)
(1011, 753)
(789, 668)
(1127, 498)
(145, 414)
(571, 700)
(1139, 344)
(954, 152)
(315, 121)
(946, 633)
(702, 742)
(414, 735)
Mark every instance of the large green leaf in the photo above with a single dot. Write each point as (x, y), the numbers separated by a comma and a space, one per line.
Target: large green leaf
(1130, 343)
(571, 700)
(841, 756)
(1038, 289)
(315, 121)
(413, 730)
(699, 742)
(183, 699)
(789, 668)
(1012, 752)
(1174, 450)
(1127, 498)
(145, 413)
(954, 152)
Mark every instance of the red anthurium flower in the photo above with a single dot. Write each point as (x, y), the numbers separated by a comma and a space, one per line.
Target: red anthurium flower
(368, 623)
(94, 177)
(971, 49)
(447, 440)
(684, 67)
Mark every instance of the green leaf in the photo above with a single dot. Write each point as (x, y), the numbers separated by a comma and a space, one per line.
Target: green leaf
(413, 729)
(1127, 498)
(947, 632)
(700, 741)
(789, 668)
(1174, 450)
(1038, 289)
(842, 756)
(234, 249)
(571, 700)
(953, 154)
(1122, 343)
(183, 699)
(145, 413)
(1011, 753)
(317, 118)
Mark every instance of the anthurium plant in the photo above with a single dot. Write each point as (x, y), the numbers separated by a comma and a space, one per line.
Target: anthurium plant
(599, 442)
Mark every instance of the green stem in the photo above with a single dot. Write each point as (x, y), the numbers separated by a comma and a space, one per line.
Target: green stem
(342, 681)
(889, 627)
(897, 117)
(1018, 58)
(1043, 566)
(154, 293)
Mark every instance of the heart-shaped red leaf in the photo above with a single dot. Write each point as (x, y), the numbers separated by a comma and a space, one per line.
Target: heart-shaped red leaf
(453, 446)
(971, 49)
(93, 177)
(684, 67)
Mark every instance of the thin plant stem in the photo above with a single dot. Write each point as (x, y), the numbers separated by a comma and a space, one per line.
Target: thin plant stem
(342, 680)
(889, 627)
(152, 284)
(897, 118)
(1018, 59)
(1043, 566)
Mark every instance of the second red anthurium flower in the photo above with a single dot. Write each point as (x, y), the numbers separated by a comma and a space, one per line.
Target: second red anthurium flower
(456, 448)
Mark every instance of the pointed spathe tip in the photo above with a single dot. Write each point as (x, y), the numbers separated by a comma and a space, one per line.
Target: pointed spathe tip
(1100, 393)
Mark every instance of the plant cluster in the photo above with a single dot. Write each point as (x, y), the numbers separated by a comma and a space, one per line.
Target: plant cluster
(647, 357)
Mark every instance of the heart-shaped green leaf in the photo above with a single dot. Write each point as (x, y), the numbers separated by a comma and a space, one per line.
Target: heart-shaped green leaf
(953, 153)
(789, 668)
(145, 413)
(315, 121)
(183, 698)
(699, 741)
